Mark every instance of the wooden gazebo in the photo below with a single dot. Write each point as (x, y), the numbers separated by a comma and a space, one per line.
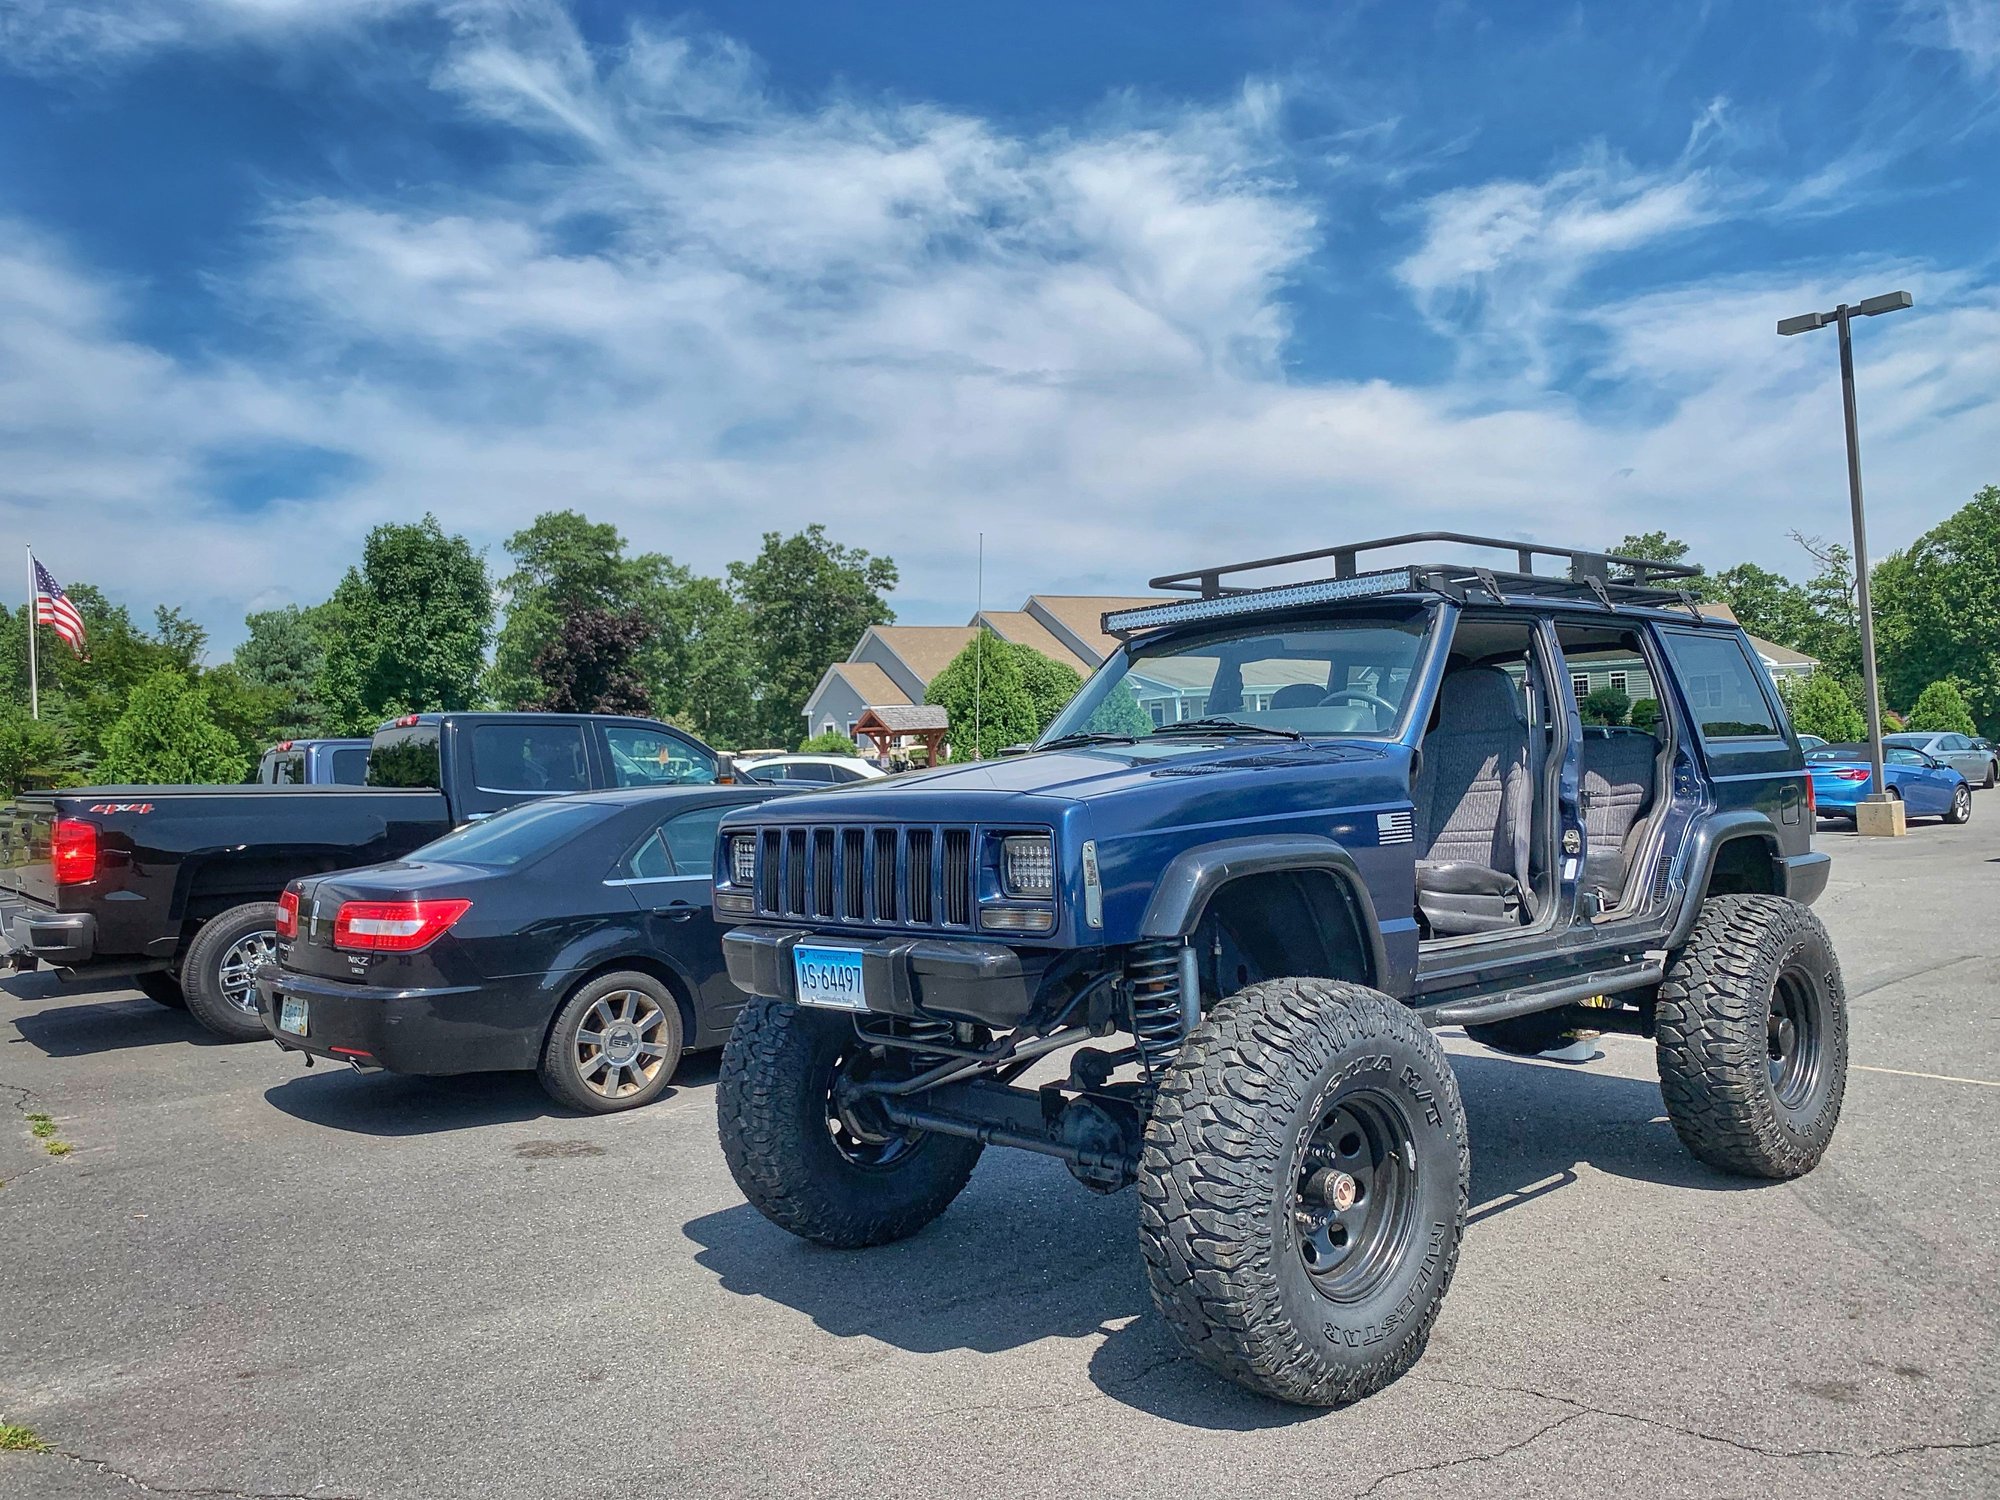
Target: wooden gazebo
(890, 723)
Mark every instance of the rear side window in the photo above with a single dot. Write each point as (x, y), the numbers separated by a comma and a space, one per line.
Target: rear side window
(350, 767)
(682, 845)
(520, 833)
(531, 758)
(405, 757)
(1724, 687)
(651, 757)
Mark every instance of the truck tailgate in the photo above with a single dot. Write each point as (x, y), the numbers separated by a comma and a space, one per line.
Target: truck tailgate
(25, 870)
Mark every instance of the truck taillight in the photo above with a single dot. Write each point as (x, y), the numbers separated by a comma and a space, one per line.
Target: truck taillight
(288, 915)
(73, 851)
(1812, 802)
(394, 926)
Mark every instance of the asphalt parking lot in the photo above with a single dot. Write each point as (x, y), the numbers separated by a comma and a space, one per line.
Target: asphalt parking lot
(246, 1278)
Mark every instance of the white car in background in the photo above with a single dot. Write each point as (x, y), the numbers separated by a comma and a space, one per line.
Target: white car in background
(808, 770)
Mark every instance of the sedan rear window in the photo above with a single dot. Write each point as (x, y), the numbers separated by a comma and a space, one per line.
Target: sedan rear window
(519, 834)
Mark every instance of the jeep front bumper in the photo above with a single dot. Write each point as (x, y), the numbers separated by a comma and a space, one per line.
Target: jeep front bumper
(963, 979)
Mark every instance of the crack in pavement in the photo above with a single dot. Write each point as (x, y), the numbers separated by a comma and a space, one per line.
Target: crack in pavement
(217, 1492)
(1584, 1408)
(1473, 1458)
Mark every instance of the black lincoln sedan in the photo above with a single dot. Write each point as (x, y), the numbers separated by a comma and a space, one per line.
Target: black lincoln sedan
(572, 936)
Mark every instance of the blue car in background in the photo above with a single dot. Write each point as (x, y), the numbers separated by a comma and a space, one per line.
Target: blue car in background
(1929, 788)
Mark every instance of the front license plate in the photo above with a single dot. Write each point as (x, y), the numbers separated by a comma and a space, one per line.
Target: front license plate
(830, 977)
(292, 1015)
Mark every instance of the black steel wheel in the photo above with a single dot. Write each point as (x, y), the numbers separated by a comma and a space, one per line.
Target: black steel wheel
(1752, 1037)
(1961, 805)
(811, 1154)
(1302, 1190)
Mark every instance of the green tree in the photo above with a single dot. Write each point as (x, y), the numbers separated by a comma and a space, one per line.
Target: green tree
(1821, 705)
(1646, 714)
(285, 654)
(35, 753)
(1937, 610)
(168, 734)
(1767, 604)
(565, 564)
(808, 600)
(1605, 705)
(406, 631)
(1020, 691)
(707, 665)
(1940, 709)
(1832, 634)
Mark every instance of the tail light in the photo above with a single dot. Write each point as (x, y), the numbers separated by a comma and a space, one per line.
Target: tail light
(288, 915)
(73, 851)
(394, 926)
(1854, 775)
(1812, 799)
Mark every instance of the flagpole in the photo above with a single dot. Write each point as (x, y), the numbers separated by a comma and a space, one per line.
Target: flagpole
(34, 667)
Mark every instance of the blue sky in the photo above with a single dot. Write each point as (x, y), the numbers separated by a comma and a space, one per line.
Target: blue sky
(1127, 287)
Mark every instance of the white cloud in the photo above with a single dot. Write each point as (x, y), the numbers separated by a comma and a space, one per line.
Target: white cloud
(60, 35)
(1971, 28)
(702, 311)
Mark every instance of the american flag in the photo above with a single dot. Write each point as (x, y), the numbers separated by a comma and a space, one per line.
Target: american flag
(52, 608)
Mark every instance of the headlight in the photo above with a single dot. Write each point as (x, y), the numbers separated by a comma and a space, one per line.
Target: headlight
(743, 859)
(1028, 867)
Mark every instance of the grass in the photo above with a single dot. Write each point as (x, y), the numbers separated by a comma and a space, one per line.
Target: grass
(20, 1440)
(43, 1128)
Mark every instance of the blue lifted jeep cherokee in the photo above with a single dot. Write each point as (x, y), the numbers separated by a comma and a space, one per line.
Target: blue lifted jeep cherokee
(1283, 832)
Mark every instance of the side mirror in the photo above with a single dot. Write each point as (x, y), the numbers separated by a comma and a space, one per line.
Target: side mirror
(726, 773)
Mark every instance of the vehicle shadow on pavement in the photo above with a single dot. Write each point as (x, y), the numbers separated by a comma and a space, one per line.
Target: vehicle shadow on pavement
(72, 1029)
(398, 1104)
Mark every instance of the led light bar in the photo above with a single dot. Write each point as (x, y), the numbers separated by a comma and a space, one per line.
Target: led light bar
(1256, 601)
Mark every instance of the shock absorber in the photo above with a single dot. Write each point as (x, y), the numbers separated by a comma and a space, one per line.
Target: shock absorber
(1153, 976)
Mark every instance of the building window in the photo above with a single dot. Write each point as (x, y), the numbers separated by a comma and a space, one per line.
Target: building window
(1581, 683)
(1618, 681)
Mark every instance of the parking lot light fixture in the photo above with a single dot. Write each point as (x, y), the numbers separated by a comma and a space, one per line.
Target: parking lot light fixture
(1842, 317)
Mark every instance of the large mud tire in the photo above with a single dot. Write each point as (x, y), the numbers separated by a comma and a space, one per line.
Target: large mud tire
(1236, 1220)
(827, 1178)
(1752, 1037)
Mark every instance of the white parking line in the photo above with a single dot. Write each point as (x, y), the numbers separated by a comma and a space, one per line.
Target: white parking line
(1985, 1083)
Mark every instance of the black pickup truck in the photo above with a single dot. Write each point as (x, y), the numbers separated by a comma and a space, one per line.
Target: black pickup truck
(175, 887)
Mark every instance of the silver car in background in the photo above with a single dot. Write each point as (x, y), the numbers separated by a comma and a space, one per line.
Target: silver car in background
(1975, 760)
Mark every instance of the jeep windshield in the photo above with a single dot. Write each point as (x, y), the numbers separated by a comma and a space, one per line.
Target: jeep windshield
(1314, 677)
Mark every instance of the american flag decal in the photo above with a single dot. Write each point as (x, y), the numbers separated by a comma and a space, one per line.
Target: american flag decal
(53, 609)
(1394, 827)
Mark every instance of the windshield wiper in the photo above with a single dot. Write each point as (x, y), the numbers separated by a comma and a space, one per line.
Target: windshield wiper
(1087, 737)
(1230, 726)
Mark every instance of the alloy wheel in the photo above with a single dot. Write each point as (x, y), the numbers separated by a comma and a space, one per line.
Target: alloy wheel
(621, 1044)
(237, 973)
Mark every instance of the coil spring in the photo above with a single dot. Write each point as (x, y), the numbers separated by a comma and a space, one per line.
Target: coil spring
(929, 1031)
(1153, 990)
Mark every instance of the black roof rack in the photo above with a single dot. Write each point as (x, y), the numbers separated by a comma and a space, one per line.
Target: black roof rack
(1638, 580)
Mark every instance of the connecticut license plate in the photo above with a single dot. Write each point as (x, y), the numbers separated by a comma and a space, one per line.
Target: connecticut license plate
(829, 976)
(292, 1014)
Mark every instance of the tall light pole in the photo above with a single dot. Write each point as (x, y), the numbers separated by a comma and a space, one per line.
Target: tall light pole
(1806, 323)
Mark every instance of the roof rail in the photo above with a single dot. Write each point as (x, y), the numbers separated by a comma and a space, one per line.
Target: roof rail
(1590, 571)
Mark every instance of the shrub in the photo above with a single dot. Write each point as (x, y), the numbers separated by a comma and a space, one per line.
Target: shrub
(832, 742)
(1820, 705)
(1020, 692)
(1646, 714)
(1940, 709)
(1607, 705)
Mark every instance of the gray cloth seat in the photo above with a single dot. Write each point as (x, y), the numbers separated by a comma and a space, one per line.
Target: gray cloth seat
(1475, 799)
(1298, 695)
(1620, 767)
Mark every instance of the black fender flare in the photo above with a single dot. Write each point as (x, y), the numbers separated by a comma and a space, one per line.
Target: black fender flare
(1706, 843)
(1192, 878)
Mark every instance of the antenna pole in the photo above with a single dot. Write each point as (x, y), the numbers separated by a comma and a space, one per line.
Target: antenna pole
(34, 665)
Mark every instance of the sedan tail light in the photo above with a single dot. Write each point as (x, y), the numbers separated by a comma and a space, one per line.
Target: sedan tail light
(394, 926)
(1857, 774)
(73, 851)
(288, 915)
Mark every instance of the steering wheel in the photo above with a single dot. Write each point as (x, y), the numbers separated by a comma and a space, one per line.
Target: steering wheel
(1359, 695)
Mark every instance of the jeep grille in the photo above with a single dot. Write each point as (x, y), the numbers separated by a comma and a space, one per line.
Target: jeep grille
(890, 875)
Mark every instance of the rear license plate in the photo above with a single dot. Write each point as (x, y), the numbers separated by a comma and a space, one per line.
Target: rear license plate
(830, 977)
(292, 1014)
